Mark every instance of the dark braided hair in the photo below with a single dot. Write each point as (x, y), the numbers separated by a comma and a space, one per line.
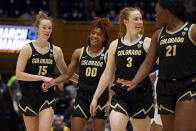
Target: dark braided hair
(178, 8)
(101, 23)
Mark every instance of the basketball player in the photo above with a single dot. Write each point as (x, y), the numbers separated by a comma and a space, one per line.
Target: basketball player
(91, 60)
(35, 65)
(175, 45)
(124, 58)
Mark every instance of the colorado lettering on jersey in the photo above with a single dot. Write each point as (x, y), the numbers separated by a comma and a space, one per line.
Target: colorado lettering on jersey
(129, 52)
(92, 62)
(172, 40)
(42, 61)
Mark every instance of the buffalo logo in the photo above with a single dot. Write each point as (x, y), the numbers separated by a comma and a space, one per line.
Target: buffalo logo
(101, 58)
(51, 55)
(183, 33)
(140, 44)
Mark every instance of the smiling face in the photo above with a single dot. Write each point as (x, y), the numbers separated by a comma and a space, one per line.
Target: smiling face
(134, 22)
(96, 37)
(44, 29)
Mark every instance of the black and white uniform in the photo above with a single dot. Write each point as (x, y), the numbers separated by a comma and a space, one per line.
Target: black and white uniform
(91, 69)
(137, 103)
(34, 99)
(177, 68)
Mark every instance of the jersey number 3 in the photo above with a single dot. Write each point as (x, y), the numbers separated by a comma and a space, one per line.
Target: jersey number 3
(129, 62)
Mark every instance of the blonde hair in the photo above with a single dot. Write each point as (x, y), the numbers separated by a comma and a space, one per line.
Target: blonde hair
(40, 16)
(124, 15)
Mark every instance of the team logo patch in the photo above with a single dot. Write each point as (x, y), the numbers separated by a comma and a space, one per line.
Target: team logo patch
(51, 55)
(183, 33)
(51, 50)
(186, 29)
(101, 58)
(140, 44)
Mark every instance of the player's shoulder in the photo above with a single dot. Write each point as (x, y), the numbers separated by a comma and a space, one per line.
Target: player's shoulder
(147, 39)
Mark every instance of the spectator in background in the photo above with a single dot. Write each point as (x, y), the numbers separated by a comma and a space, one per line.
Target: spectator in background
(75, 15)
(4, 94)
(8, 118)
(72, 88)
(92, 15)
(58, 125)
(16, 95)
(29, 14)
(68, 113)
(112, 16)
(15, 92)
(91, 5)
(63, 99)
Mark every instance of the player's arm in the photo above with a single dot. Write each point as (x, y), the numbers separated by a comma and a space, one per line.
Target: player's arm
(71, 68)
(149, 61)
(193, 34)
(109, 71)
(61, 65)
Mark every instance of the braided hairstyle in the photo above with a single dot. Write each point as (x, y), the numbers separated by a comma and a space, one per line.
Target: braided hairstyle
(179, 9)
(101, 23)
(41, 16)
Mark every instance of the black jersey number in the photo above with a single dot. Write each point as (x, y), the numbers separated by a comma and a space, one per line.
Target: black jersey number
(42, 70)
(129, 62)
(91, 71)
(171, 50)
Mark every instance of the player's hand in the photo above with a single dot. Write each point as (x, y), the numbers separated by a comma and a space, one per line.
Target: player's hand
(130, 84)
(107, 108)
(48, 80)
(45, 87)
(93, 107)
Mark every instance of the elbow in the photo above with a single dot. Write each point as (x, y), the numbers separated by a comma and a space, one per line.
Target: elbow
(18, 75)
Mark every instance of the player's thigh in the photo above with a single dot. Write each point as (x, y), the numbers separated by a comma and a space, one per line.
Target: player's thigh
(31, 123)
(78, 123)
(118, 121)
(45, 119)
(185, 115)
(99, 124)
(168, 122)
(141, 124)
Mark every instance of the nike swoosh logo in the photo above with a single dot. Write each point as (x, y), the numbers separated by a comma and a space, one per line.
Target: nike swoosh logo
(35, 54)
(84, 57)
(120, 47)
(162, 36)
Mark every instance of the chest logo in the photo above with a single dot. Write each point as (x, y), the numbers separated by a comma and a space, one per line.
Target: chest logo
(51, 55)
(101, 58)
(183, 33)
(34, 54)
(140, 44)
(186, 28)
